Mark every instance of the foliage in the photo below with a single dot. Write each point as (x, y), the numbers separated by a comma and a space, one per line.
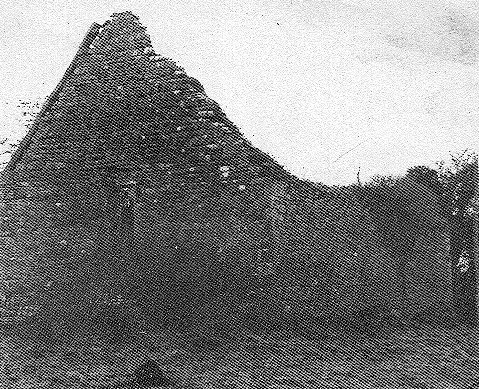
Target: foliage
(455, 184)
(428, 177)
(459, 178)
(401, 206)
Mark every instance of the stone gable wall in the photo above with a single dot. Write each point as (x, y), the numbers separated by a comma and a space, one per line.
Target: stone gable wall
(133, 175)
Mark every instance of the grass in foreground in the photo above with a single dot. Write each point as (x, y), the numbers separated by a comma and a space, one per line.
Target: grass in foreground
(415, 358)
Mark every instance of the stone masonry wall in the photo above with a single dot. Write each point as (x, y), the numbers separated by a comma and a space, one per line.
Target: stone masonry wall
(134, 176)
(124, 120)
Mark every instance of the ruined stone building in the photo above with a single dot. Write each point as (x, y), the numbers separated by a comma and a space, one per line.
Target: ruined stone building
(132, 178)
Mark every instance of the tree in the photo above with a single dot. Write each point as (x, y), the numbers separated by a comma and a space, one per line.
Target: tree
(428, 177)
(459, 178)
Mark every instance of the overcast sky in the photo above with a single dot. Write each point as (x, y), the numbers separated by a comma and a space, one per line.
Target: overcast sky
(325, 87)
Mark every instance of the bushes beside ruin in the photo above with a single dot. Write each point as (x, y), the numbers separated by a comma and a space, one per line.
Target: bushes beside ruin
(413, 230)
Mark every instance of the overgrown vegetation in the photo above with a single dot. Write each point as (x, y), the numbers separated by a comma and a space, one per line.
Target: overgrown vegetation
(253, 281)
(459, 184)
(426, 197)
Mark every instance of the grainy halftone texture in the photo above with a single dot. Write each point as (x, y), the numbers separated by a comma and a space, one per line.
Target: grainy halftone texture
(421, 358)
(134, 203)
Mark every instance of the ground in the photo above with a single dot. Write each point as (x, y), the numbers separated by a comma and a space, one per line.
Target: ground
(424, 357)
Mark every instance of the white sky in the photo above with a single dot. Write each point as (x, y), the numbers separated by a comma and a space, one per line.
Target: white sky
(306, 81)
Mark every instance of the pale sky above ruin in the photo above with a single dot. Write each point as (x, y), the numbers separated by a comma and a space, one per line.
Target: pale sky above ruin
(322, 86)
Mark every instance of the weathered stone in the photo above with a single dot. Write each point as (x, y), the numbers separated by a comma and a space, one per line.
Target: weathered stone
(132, 175)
